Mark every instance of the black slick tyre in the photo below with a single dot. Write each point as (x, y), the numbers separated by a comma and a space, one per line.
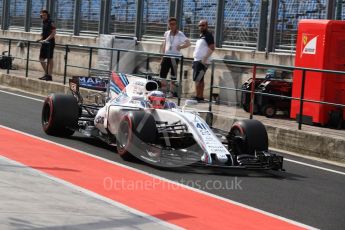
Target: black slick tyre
(135, 129)
(60, 115)
(247, 136)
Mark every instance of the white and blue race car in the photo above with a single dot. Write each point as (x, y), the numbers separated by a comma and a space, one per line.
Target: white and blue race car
(138, 119)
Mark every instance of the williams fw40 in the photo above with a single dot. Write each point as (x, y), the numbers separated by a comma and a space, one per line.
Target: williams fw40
(134, 116)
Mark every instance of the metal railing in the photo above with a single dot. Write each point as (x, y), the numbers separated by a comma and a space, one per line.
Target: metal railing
(153, 56)
(68, 48)
(253, 92)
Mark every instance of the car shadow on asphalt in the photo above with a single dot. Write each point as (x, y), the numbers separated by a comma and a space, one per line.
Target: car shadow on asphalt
(279, 175)
(2, 166)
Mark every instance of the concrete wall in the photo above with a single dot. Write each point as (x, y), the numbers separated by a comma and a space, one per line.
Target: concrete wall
(225, 75)
(76, 57)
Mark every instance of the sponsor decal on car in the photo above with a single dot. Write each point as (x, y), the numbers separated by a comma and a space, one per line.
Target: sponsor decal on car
(212, 144)
(93, 83)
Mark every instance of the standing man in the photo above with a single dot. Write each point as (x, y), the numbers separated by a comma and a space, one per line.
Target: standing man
(204, 48)
(174, 41)
(48, 45)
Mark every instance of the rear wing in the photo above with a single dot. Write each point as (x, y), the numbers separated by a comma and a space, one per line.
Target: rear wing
(97, 80)
(108, 82)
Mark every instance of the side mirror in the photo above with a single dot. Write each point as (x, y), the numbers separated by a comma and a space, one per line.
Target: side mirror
(188, 103)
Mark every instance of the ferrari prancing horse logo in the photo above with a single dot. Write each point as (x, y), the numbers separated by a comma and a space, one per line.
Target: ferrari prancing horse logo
(305, 39)
(309, 43)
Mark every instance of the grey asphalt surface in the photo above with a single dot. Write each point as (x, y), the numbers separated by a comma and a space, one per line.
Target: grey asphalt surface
(30, 200)
(308, 195)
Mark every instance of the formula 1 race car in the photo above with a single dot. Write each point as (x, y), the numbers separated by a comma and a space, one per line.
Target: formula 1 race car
(143, 124)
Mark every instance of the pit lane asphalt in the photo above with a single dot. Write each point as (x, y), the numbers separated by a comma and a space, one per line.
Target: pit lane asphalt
(308, 195)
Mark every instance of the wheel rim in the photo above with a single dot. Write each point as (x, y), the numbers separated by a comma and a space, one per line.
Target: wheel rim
(270, 111)
(47, 113)
(236, 131)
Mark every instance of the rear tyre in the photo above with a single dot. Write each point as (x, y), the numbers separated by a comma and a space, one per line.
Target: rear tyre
(135, 129)
(60, 115)
(247, 137)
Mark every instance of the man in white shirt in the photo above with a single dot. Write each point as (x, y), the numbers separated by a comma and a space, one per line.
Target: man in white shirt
(204, 48)
(174, 41)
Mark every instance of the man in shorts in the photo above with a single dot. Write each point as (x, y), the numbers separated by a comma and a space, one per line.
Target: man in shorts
(174, 41)
(48, 45)
(204, 48)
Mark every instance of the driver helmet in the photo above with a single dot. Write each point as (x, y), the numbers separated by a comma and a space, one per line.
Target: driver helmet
(156, 99)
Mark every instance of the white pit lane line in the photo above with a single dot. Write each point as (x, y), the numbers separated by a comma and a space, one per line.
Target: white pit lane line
(314, 166)
(19, 95)
(287, 159)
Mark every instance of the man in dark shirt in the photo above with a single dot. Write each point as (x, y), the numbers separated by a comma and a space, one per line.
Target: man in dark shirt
(204, 48)
(48, 45)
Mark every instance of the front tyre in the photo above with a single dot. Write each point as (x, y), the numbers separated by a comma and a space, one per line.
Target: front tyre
(124, 139)
(60, 115)
(247, 137)
(135, 130)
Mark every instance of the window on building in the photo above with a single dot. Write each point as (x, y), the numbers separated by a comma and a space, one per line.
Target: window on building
(1, 3)
(123, 16)
(17, 14)
(64, 12)
(289, 13)
(36, 7)
(241, 23)
(196, 10)
(90, 16)
(155, 17)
